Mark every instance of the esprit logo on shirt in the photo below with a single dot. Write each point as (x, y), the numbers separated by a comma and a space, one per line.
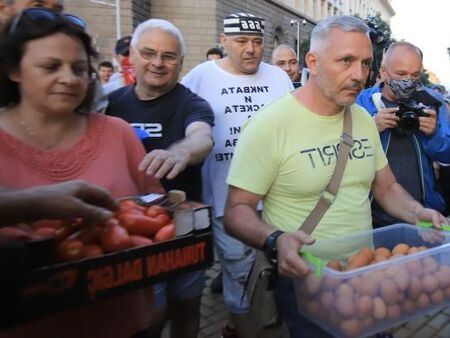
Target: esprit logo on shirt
(152, 129)
(327, 155)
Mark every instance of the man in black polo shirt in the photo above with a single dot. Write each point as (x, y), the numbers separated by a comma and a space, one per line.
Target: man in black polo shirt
(174, 125)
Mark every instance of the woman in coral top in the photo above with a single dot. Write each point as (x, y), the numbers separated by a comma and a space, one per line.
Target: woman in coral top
(48, 135)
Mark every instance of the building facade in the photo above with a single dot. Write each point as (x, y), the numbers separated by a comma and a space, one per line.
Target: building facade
(287, 21)
(321, 9)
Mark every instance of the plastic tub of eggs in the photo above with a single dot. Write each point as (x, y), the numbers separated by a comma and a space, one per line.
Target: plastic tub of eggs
(370, 281)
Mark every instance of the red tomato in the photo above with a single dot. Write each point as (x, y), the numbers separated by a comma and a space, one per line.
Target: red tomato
(92, 250)
(70, 250)
(43, 233)
(137, 240)
(10, 233)
(48, 223)
(126, 205)
(155, 210)
(167, 232)
(88, 235)
(67, 230)
(141, 224)
(114, 238)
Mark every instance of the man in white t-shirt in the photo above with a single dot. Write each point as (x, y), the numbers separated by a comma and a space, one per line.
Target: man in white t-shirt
(236, 87)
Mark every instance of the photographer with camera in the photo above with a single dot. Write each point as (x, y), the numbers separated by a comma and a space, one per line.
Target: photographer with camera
(405, 116)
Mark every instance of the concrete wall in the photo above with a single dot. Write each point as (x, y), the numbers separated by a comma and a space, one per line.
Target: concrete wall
(197, 21)
(101, 21)
(200, 21)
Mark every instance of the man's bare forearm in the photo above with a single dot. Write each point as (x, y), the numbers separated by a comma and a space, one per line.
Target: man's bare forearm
(399, 203)
(242, 222)
(196, 145)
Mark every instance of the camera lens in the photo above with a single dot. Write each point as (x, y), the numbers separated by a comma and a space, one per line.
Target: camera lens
(409, 121)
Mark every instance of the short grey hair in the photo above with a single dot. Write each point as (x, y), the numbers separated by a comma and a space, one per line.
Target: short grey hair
(346, 23)
(163, 25)
(401, 44)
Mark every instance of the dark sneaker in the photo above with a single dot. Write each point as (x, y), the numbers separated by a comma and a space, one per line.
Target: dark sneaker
(216, 284)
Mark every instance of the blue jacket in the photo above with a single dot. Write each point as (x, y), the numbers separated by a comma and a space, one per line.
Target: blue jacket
(428, 149)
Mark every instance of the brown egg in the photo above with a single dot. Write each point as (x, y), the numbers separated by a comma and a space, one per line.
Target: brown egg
(402, 279)
(382, 251)
(391, 271)
(345, 290)
(355, 282)
(443, 276)
(422, 248)
(326, 300)
(335, 265)
(312, 283)
(408, 306)
(364, 306)
(430, 265)
(393, 311)
(358, 261)
(397, 255)
(388, 291)
(415, 268)
(415, 288)
(349, 259)
(368, 287)
(379, 258)
(350, 327)
(437, 297)
(412, 250)
(344, 306)
(401, 248)
(330, 283)
(368, 253)
(429, 284)
(400, 297)
(423, 301)
(379, 308)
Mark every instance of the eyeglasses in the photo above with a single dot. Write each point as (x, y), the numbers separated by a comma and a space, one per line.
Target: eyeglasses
(43, 14)
(152, 55)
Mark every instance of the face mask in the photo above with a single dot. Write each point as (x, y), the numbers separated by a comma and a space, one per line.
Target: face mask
(403, 89)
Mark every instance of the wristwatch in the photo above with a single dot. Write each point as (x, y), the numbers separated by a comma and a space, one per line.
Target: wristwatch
(270, 247)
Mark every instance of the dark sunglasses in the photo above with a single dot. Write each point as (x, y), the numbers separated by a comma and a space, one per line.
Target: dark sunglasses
(42, 14)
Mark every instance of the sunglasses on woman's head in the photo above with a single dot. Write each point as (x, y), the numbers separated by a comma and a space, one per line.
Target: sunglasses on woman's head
(44, 14)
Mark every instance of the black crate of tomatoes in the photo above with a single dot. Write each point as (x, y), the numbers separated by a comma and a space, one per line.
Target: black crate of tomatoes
(50, 265)
(375, 280)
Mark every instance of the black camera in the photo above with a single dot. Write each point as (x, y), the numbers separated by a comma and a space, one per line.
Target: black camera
(409, 113)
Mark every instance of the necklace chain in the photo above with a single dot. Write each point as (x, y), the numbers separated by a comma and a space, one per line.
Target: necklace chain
(32, 132)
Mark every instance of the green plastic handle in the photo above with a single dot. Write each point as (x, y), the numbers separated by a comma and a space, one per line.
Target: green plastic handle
(427, 224)
(316, 262)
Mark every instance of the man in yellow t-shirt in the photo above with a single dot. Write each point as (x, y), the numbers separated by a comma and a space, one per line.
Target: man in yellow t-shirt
(286, 155)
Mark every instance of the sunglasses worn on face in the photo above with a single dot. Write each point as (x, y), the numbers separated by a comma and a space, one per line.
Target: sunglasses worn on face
(43, 14)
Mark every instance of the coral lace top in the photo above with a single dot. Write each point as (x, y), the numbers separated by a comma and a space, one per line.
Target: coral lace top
(108, 155)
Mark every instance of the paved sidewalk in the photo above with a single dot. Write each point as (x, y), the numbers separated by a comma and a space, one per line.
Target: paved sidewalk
(214, 315)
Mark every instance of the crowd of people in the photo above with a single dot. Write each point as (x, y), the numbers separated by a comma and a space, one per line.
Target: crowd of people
(237, 133)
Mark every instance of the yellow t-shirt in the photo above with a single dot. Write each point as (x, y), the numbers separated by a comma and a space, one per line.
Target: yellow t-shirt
(287, 154)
